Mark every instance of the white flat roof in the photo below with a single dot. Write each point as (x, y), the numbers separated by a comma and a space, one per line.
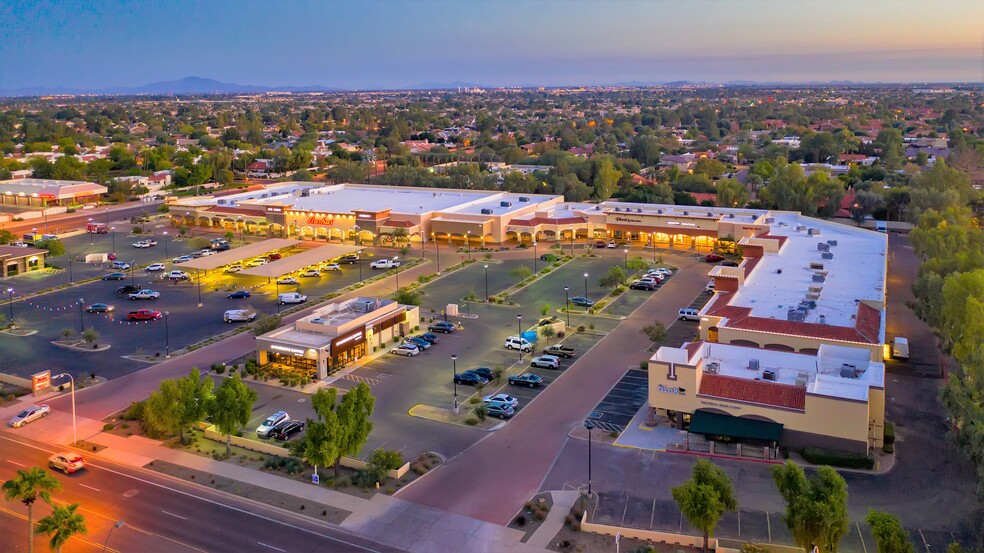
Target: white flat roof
(494, 203)
(291, 335)
(741, 215)
(855, 272)
(57, 188)
(820, 374)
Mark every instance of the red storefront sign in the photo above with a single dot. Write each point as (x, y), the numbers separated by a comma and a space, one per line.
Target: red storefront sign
(40, 381)
(321, 220)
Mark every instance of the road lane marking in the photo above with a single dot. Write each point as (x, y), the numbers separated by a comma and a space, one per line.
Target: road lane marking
(13, 463)
(173, 515)
(272, 547)
(90, 487)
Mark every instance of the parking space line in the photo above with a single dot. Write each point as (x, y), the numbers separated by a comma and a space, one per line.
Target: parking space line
(860, 537)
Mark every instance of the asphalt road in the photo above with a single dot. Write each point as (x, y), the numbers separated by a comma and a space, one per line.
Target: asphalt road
(165, 515)
(70, 221)
(524, 450)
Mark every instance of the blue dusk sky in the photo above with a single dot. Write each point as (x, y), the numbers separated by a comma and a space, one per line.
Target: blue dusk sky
(397, 43)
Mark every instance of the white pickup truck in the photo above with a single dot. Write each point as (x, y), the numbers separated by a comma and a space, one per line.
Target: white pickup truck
(384, 264)
(145, 295)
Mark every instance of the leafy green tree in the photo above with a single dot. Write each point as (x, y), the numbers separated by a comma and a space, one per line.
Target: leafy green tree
(54, 247)
(865, 203)
(645, 149)
(7, 237)
(90, 336)
(637, 264)
(705, 497)
(197, 394)
(826, 192)
(406, 296)
(892, 151)
(816, 508)
(354, 413)
(731, 193)
(62, 524)
(321, 444)
(266, 324)
(232, 407)
(522, 272)
(614, 277)
(347, 171)
(606, 179)
(27, 487)
(889, 535)
(710, 167)
(656, 332)
(940, 188)
(164, 410)
(787, 190)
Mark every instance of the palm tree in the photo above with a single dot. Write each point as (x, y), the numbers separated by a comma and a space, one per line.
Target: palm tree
(27, 487)
(61, 525)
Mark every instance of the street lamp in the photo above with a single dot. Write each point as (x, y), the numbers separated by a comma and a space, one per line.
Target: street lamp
(167, 338)
(119, 524)
(81, 323)
(567, 304)
(113, 231)
(572, 241)
(165, 245)
(240, 225)
(10, 302)
(198, 273)
(71, 279)
(486, 282)
(396, 259)
(133, 276)
(356, 228)
(75, 437)
(519, 333)
(468, 244)
(585, 285)
(625, 258)
(277, 284)
(359, 263)
(107, 216)
(590, 427)
(534, 257)
(437, 248)
(422, 244)
(90, 232)
(454, 373)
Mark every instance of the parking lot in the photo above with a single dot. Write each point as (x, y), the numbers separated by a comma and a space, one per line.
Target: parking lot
(622, 402)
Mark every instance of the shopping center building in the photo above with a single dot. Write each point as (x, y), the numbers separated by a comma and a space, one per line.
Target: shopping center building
(791, 346)
(335, 335)
(45, 192)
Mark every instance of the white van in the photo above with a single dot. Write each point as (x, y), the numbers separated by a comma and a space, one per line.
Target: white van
(688, 314)
(291, 297)
(900, 348)
(238, 316)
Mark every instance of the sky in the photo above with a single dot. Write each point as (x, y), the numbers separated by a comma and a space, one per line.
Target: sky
(370, 44)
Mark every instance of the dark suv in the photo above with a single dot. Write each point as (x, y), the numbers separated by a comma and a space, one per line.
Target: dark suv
(442, 326)
(128, 289)
(286, 429)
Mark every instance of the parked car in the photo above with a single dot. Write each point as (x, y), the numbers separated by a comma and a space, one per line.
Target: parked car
(19, 244)
(311, 273)
(257, 262)
(470, 378)
(713, 258)
(114, 276)
(600, 244)
(331, 267)
(263, 430)
(111, 256)
(515, 342)
(558, 350)
(432, 338)
(238, 295)
(220, 247)
(66, 462)
(196, 255)
(274, 256)
(141, 244)
(238, 315)
(177, 275)
(143, 315)
(408, 350)
(526, 379)
(121, 265)
(545, 362)
(484, 372)
(181, 259)
(349, 259)
(643, 285)
(384, 264)
(688, 314)
(501, 398)
(233, 268)
(709, 289)
(612, 244)
(286, 429)
(155, 267)
(206, 252)
(99, 308)
(287, 280)
(441, 326)
(419, 342)
(499, 410)
(28, 415)
(145, 295)
(151, 242)
(581, 301)
(128, 289)
(292, 297)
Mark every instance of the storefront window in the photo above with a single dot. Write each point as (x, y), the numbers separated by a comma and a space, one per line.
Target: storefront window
(301, 365)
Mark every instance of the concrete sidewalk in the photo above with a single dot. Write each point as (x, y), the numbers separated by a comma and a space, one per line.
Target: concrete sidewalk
(562, 503)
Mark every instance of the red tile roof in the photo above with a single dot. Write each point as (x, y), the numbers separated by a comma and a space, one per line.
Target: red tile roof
(762, 392)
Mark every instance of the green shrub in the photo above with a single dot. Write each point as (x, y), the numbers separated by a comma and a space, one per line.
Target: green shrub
(384, 460)
(134, 412)
(292, 465)
(365, 478)
(889, 433)
(108, 426)
(888, 448)
(471, 421)
(820, 456)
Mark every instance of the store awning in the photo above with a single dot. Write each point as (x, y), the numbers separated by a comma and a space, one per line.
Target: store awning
(713, 424)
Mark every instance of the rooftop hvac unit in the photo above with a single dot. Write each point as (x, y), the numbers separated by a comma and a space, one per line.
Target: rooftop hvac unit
(848, 371)
(731, 216)
(827, 255)
(802, 379)
(364, 305)
(753, 364)
(305, 193)
(221, 202)
(816, 266)
(638, 210)
(816, 289)
(524, 199)
(821, 247)
(831, 242)
(819, 278)
(486, 211)
(659, 211)
(618, 209)
(814, 232)
(796, 315)
(686, 213)
(712, 368)
(597, 207)
(505, 204)
(823, 319)
(770, 220)
(809, 304)
(800, 228)
(769, 375)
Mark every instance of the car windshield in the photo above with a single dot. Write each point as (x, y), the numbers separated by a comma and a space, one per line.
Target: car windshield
(23, 414)
(74, 458)
(270, 421)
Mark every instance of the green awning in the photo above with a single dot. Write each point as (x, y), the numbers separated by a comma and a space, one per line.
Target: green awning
(713, 424)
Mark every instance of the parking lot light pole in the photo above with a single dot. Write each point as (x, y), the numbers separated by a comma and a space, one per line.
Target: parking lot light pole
(422, 244)
(468, 244)
(625, 258)
(119, 524)
(113, 231)
(572, 241)
(165, 245)
(277, 284)
(90, 232)
(590, 427)
(75, 437)
(519, 333)
(133, 276)
(81, 322)
(359, 263)
(396, 259)
(567, 305)
(437, 249)
(167, 338)
(585, 285)
(486, 282)
(10, 302)
(199, 274)
(454, 373)
(71, 280)
(356, 228)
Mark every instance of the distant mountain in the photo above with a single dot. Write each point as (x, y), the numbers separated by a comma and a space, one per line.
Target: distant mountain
(187, 85)
(445, 86)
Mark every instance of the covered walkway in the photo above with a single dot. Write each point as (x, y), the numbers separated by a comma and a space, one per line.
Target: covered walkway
(228, 257)
(296, 262)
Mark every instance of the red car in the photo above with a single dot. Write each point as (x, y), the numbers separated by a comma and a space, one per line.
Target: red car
(143, 315)
(713, 258)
